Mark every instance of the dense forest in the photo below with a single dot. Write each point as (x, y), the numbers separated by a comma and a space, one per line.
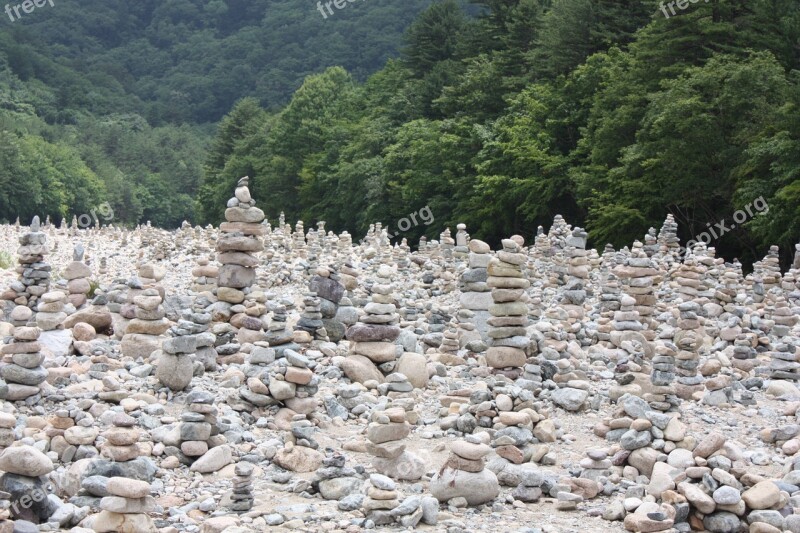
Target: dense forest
(114, 100)
(496, 113)
(605, 111)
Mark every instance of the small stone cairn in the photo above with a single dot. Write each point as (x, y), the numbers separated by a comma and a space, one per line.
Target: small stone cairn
(22, 368)
(143, 334)
(77, 274)
(385, 434)
(243, 487)
(125, 508)
(464, 474)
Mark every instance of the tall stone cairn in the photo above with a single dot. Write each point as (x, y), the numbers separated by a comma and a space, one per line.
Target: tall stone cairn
(509, 310)
(239, 241)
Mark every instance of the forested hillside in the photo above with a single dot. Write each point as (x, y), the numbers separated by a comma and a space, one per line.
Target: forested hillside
(605, 111)
(116, 100)
(496, 113)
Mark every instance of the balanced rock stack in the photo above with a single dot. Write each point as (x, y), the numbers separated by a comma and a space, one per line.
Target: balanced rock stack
(125, 508)
(385, 434)
(509, 311)
(464, 474)
(462, 240)
(294, 383)
(784, 361)
(278, 336)
(382, 498)
(687, 361)
(475, 292)
(22, 367)
(51, 313)
(256, 390)
(372, 338)
(242, 487)
(450, 342)
(142, 336)
(25, 468)
(176, 360)
(639, 270)
(196, 321)
(122, 439)
(237, 245)
(330, 292)
(34, 272)
(205, 276)
(77, 274)
(198, 426)
(311, 319)
(300, 453)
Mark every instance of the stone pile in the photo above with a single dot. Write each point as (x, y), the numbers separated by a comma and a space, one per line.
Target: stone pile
(509, 311)
(205, 276)
(372, 338)
(464, 474)
(143, 333)
(239, 240)
(385, 434)
(125, 508)
(475, 291)
(198, 428)
(22, 369)
(77, 274)
(34, 271)
(122, 440)
(330, 292)
(50, 311)
(176, 361)
(311, 319)
(243, 487)
(25, 468)
(278, 336)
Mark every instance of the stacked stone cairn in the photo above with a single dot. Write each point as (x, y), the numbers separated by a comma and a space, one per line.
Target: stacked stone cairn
(372, 338)
(509, 311)
(784, 361)
(450, 343)
(34, 271)
(205, 276)
(385, 434)
(464, 475)
(77, 274)
(142, 336)
(125, 508)
(475, 292)
(330, 292)
(239, 241)
(122, 439)
(198, 429)
(243, 487)
(176, 361)
(310, 323)
(278, 336)
(22, 368)
(25, 468)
